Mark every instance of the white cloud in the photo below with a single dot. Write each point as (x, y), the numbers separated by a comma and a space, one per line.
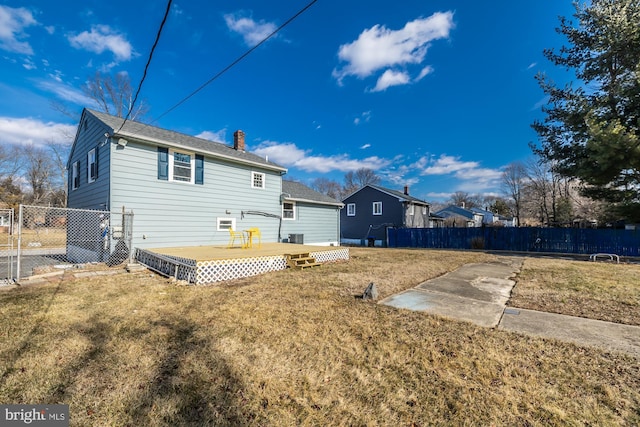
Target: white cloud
(28, 64)
(472, 177)
(425, 71)
(364, 117)
(445, 165)
(26, 131)
(541, 103)
(391, 78)
(66, 93)
(253, 32)
(380, 48)
(365, 146)
(12, 24)
(289, 155)
(439, 196)
(533, 64)
(218, 136)
(102, 38)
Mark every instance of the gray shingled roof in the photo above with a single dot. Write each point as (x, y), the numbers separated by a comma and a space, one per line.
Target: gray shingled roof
(399, 194)
(297, 191)
(455, 210)
(152, 134)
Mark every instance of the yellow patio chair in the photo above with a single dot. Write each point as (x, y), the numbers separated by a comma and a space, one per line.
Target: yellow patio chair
(233, 236)
(254, 232)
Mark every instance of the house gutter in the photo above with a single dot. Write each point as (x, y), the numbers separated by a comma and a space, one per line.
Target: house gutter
(147, 140)
(295, 199)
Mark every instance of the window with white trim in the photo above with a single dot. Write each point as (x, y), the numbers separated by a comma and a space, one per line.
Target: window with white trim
(412, 209)
(92, 166)
(424, 210)
(288, 210)
(224, 224)
(257, 180)
(377, 208)
(181, 166)
(75, 175)
(351, 209)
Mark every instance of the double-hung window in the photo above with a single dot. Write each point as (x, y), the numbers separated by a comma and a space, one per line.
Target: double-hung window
(92, 166)
(75, 175)
(180, 166)
(377, 208)
(288, 210)
(351, 209)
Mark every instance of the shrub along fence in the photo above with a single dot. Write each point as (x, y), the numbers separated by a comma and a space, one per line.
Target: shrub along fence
(522, 239)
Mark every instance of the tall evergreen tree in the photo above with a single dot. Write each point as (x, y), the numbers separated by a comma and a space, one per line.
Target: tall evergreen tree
(592, 129)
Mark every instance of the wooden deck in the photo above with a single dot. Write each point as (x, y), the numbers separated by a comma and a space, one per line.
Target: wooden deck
(207, 253)
(210, 264)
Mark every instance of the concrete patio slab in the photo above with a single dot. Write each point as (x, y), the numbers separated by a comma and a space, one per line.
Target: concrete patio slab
(481, 313)
(598, 333)
(475, 292)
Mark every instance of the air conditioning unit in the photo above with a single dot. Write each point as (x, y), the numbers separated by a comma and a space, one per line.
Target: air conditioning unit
(296, 238)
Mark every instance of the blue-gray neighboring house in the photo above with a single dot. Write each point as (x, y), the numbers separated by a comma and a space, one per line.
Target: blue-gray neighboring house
(371, 209)
(493, 219)
(457, 216)
(188, 191)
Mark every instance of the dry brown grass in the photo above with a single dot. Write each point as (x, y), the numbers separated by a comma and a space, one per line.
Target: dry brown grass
(603, 291)
(294, 348)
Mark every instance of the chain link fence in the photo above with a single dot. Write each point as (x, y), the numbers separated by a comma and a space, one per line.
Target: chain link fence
(48, 236)
(7, 250)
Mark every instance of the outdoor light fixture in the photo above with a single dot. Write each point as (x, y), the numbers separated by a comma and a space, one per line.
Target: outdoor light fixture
(122, 142)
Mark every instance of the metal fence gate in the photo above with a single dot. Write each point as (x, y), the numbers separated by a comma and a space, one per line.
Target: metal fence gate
(7, 249)
(49, 237)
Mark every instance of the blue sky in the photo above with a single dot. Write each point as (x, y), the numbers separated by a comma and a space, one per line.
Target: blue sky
(436, 95)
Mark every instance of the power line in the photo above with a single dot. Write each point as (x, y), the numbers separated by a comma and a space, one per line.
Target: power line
(146, 67)
(240, 58)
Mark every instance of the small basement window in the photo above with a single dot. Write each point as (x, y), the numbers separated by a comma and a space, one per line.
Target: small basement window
(225, 224)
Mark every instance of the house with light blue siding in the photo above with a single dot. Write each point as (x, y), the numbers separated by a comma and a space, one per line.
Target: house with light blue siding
(188, 191)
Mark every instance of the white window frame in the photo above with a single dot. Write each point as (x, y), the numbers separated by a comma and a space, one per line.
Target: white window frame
(424, 210)
(377, 208)
(412, 209)
(292, 210)
(225, 223)
(263, 178)
(351, 209)
(75, 175)
(192, 162)
(91, 161)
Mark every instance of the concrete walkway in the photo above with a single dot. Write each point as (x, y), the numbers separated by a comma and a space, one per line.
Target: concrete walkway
(478, 293)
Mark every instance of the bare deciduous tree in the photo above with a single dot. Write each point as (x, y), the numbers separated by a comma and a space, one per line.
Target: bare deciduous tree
(327, 186)
(354, 180)
(114, 95)
(514, 180)
(38, 172)
(465, 200)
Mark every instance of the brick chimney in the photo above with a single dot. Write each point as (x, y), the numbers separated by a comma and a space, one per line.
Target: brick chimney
(406, 190)
(238, 140)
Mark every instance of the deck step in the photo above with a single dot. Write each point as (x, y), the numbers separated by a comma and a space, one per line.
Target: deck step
(301, 261)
